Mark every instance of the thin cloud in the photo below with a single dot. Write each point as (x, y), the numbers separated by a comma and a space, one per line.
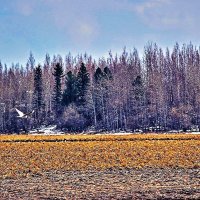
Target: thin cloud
(148, 5)
(168, 14)
(97, 25)
(23, 7)
(76, 19)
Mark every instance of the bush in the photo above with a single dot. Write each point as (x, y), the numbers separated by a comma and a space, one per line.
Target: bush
(72, 120)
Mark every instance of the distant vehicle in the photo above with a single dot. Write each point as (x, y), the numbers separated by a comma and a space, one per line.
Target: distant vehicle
(23, 115)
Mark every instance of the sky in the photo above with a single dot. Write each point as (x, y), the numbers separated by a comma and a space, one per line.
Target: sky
(93, 26)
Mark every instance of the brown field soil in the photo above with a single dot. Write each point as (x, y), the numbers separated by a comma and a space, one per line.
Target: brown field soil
(100, 167)
(109, 184)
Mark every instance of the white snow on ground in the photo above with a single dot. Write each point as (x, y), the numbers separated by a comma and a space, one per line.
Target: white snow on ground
(48, 133)
(195, 133)
(50, 130)
(120, 133)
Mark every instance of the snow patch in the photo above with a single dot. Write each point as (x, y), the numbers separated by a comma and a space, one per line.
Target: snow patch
(195, 133)
(49, 130)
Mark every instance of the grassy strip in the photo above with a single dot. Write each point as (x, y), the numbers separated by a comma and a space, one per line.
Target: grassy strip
(97, 140)
(85, 138)
(37, 157)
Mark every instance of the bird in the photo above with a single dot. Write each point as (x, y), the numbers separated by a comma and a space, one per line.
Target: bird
(23, 115)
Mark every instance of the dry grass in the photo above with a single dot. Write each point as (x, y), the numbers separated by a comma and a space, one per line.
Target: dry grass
(24, 155)
(102, 137)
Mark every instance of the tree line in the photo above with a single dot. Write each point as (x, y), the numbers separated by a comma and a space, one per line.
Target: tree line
(159, 90)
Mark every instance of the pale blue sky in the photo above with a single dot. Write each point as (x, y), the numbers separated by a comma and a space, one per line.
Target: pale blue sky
(94, 26)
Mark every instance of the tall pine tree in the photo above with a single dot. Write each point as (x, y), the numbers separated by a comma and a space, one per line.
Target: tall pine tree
(107, 73)
(98, 75)
(83, 81)
(57, 97)
(70, 92)
(38, 101)
(138, 89)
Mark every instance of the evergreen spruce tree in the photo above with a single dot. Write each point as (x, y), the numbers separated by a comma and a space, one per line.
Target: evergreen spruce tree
(83, 81)
(57, 97)
(38, 90)
(98, 75)
(137, 101)
(38, 103)
(138, 89)
(98, 93)
(107, 73)
(70, 93)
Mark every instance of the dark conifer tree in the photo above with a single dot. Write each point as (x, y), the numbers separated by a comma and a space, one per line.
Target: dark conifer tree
(138, 89)
(99, 92)
(107, 73)
(57, 97)
(38, 101)
(70, 93)
(98, 75)
(137, 102)
(83, 81)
